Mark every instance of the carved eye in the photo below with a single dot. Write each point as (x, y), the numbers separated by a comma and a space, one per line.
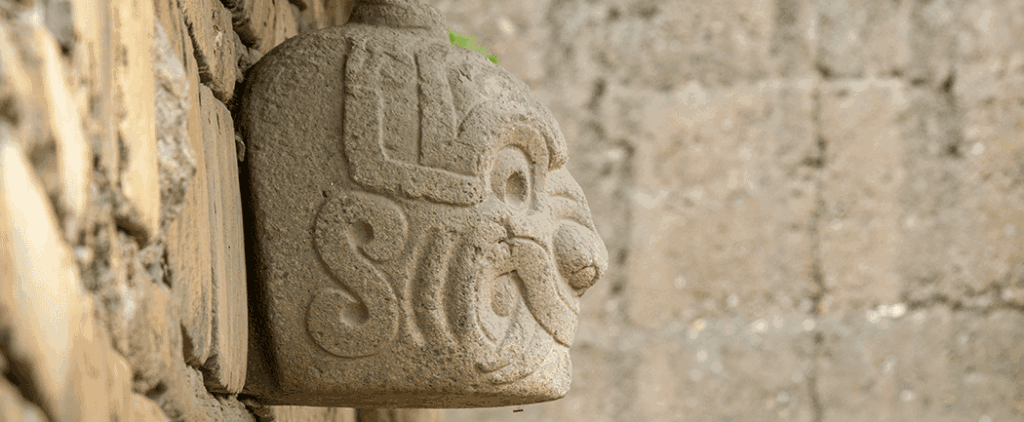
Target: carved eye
(511, 179)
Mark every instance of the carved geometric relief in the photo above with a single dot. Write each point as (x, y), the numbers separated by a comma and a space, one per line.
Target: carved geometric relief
(446, 264)
(354, 230)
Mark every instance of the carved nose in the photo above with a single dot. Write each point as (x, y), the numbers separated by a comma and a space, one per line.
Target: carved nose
(581, 255)
(531, 225)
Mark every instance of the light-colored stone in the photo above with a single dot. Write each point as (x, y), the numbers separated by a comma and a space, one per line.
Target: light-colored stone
(74, 155)
(441, 263)
(397, 415)
(860, 38)
(312, 414)
(42, 291)
(338, 11)
(176, 155)
(722, 215)
(119, 387)
(210, 29)
(859, 226)
(151, 352)
(225, 371)
(926, 364)
(133, 33)
(962, 207)
(188, 238)
(253, 20)
(14, 407)
(146, 410)
(87, 397)
(285, 25)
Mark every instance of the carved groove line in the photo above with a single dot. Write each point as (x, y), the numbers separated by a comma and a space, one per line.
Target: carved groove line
(352, 231)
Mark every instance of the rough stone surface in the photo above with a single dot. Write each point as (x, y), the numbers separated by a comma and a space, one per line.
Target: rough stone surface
(136, 119)
(212, 36)
(927, 364)
(441, 263)
(41, 342)
(884, 265)
(225, 369)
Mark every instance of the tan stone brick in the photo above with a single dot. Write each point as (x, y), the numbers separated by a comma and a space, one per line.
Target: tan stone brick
(859, 226)
(253, 20)
(146, 410)
(14, 407)
(74, 155)
(188, 242)
(928, 364)
(285, 25)
(225, 371)
(862, 38)
(87, 397)
(136, 116)
(312, 414)
(722, 211)
(338, 11)
(962, 204)
(210, 29)
(119, 386)
(169, 14)
(39, 273)
(150, 350)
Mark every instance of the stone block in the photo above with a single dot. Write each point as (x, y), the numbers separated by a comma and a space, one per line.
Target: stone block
(176, 155)
(338, 11)
(73, 153)
(413, 263)
(312, 414)
(859, 226)
(119, 386)
(225, 370)
(133, 34)
(210, 28)
(961, 207)
(87, 397)
(723, 212)
(172, 22)
(188, 239)
(397, 415)
(285, 25)
(311, 16)
(150, 349)
(146, 410)
(925, 364)
(14, 407)
(40, 272)
(253, 20)
(867, 39)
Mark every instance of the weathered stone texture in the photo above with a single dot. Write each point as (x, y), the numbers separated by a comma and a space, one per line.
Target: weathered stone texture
(722, 214)
(928, 364)
(212, 36)
(419, 261)
(860, 228)
(225, 369)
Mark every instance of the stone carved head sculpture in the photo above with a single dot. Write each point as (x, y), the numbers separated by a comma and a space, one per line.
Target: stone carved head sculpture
(418, 240)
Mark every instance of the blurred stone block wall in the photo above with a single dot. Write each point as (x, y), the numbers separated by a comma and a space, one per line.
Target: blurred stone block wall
(815, 208)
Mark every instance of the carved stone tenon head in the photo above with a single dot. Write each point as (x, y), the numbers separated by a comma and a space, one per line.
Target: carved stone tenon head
(418, 241)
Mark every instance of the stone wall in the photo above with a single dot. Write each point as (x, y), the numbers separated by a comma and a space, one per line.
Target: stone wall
(122, 268)
(815, 209)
